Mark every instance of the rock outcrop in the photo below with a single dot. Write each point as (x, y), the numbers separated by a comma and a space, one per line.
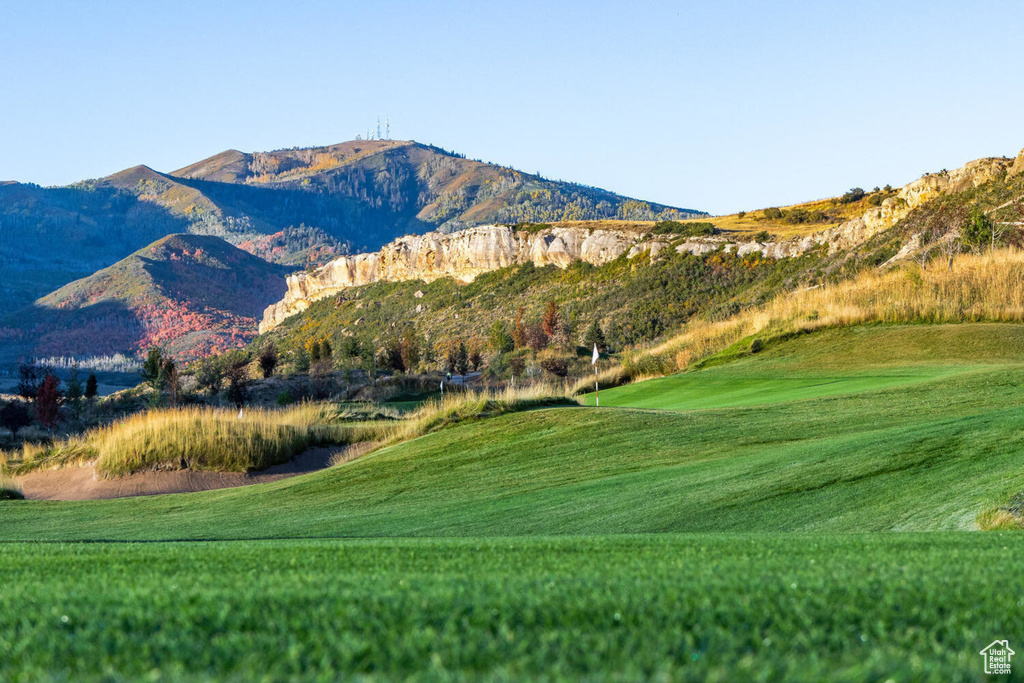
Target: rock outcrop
(466, 254)
(461, 255)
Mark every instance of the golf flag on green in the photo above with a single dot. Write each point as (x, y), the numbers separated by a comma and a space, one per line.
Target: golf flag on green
(597, 389)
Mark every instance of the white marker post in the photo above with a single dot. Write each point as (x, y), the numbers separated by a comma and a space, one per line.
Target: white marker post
(597, 388)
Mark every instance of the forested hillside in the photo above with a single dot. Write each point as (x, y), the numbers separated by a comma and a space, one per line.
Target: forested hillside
(191, 294)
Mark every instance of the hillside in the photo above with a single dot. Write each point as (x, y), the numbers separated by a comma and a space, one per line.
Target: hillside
(192, 294)
(923, 411)
(293, 207)
(643, 284)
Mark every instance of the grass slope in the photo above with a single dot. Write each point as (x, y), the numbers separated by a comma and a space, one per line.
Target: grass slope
(544, 574)
(927, 454)
(695, 608)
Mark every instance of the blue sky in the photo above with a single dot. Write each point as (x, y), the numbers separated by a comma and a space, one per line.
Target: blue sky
(719, 106)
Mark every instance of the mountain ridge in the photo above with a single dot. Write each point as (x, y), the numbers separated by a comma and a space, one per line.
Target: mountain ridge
(296, 207)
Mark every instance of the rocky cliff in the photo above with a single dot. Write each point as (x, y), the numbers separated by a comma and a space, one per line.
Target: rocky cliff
(466, 254)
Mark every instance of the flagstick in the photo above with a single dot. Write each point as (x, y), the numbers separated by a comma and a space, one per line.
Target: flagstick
(597, 387)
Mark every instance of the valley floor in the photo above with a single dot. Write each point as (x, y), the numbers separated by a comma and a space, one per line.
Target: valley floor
(714, 525)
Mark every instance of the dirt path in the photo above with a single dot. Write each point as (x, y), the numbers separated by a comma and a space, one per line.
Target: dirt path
(81, 483)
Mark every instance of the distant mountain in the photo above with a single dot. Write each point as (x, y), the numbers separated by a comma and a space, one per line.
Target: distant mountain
(191, 294)
(294, 207)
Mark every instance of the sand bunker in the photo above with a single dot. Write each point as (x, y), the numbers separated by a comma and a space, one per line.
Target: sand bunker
(81, 483)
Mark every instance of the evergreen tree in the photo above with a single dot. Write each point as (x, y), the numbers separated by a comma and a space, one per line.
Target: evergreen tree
(74, 391)
(91, 386)
(152, 367)
(462, 362)
(594, 335)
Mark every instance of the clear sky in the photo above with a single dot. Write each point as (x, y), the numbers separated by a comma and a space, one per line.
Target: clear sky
(712, 105)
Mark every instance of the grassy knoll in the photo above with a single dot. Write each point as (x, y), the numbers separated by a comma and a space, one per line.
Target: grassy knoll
(720, 607)
(926, 453)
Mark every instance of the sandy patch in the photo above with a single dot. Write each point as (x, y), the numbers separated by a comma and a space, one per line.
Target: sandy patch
(81, 483)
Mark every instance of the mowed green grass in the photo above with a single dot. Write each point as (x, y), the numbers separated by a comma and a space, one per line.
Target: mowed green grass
(925, 455)
(701, 607)
(829, 363)
(729, 539)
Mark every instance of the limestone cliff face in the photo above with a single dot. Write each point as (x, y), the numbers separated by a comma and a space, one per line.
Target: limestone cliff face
(461, 255)
(466, 254)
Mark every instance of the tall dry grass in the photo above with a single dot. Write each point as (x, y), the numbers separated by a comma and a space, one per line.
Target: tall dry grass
(471, 405)
(988, 287)
(203, 439)
(217, 439)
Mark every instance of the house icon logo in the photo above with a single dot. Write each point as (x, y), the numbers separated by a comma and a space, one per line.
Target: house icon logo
(997, 657)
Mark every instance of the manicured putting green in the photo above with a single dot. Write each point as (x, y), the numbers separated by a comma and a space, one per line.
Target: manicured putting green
(711, 389)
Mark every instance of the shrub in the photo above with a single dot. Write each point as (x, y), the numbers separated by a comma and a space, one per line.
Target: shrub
(14, 416)
(498, 338)
(756, 346)
(10, 490)
(855, 194)
(555, 365)
(698, 229)
(772, 213)
(763, 236)
(268, 360)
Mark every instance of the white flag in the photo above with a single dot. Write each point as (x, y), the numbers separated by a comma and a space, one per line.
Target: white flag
(239, 413)
(593, 361)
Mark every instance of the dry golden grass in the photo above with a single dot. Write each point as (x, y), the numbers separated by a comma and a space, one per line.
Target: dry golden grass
(988, 287)
(998, 519)
(471, 405)
(217, 439)
(754, 221)
(202, 438)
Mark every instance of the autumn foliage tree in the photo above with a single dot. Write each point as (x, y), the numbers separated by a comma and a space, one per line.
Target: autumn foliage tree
(48, 401)
(551, 319)
(409, 349)
(519, 329)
